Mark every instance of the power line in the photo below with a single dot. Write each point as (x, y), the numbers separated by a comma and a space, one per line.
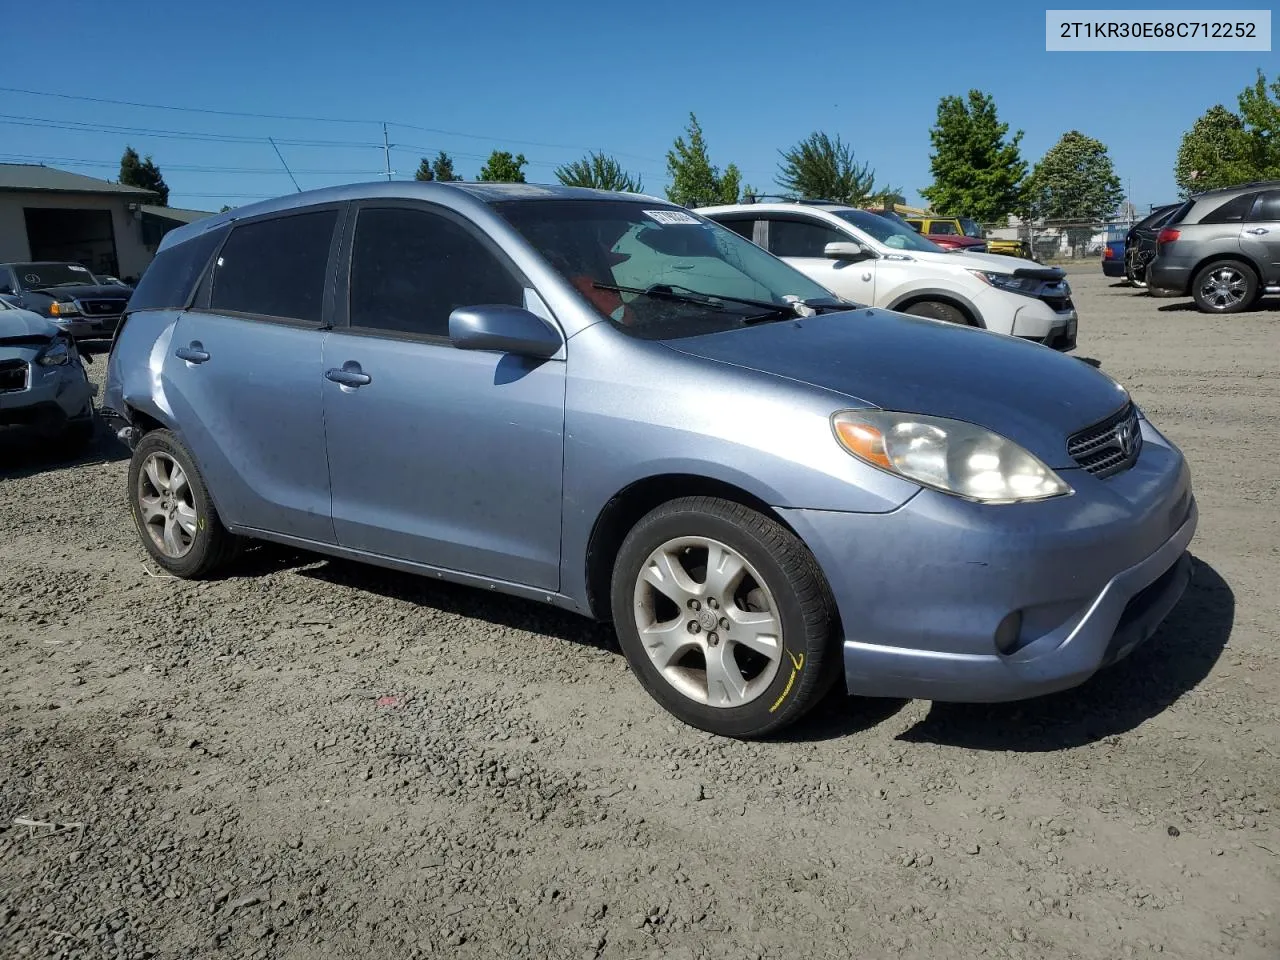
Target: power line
(182, 167)
(84, 127)
(308, 119)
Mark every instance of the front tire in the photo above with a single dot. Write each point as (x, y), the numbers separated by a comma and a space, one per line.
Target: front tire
(936, 310)
(1227, 286)
(175, 517)
(724, 617)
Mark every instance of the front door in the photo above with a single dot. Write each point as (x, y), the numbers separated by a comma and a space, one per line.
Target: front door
(441, 456)
(243, 376)
(800, 241)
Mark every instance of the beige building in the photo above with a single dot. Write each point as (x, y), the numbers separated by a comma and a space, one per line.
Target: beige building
(49, 214)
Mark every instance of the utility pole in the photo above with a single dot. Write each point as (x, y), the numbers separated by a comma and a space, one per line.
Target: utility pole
(386, 151)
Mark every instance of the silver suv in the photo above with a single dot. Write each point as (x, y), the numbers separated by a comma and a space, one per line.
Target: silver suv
(1222, 248)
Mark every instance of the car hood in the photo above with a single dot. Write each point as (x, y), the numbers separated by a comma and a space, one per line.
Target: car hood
(84, 291)
(24, 325)
(1026, 392)
(995, 262)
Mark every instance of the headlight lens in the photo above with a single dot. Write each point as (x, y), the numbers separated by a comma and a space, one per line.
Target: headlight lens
(58, 309)
(948, 455)
(57, 354)
(1007, 281)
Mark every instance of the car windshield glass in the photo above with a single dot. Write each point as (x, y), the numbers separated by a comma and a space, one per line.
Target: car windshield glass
(32, 276)
(888, 232)
(970, 228)
(681, 275)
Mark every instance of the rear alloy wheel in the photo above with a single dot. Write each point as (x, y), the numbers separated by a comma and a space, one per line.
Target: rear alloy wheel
(936, 310)
(176, 519)
(724, 617)
(1225, 287)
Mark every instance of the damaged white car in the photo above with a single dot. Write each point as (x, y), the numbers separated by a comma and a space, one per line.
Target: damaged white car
(43, 383)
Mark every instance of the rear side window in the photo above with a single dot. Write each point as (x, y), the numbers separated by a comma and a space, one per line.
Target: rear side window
(743, 228)
(410, 269)
(168, 281)
(275, 268)
(795, 238)
(1268, 207)
(1233, 211)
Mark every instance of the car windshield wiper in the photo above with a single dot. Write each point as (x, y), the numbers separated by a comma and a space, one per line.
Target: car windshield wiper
(671, 291)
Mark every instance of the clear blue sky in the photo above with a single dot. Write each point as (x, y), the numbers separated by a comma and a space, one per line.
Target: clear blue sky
(554, 79)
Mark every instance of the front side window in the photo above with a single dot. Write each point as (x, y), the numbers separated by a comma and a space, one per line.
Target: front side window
(801, 238)
(411, 268)
(275, 268)
(971, 228)
(677, 270)
(888, 232)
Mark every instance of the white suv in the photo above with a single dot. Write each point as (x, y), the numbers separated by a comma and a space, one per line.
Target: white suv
(876, 261)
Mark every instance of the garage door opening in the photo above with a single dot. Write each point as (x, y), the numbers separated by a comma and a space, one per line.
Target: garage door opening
(78, 236)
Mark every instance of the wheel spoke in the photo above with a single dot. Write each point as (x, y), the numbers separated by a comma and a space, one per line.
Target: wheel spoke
(155, 476)
(755, 630)
(150, 507)
(172, 540)
(186, 518)
(725, 683)
(724, 571)
(667, 642)
(177, 479)
(665, 574)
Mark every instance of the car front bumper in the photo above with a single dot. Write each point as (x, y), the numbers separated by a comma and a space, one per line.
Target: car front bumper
(52, 397)
(88, 328)
(1038, 321)
(922, 592)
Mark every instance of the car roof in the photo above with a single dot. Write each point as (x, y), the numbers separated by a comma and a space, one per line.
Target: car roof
(776, 207)
(450, 192)
(1239, 188)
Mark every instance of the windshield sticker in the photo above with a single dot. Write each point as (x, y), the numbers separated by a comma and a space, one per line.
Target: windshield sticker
(77, 268)
(671, 216)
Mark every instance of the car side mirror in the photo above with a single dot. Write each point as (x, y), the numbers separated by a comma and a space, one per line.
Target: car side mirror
(505, 329)
(846, 250)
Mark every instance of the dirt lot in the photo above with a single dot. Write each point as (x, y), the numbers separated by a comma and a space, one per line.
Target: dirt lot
(315, 759)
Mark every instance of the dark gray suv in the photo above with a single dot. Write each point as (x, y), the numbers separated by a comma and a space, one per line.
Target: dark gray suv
(1222, 248)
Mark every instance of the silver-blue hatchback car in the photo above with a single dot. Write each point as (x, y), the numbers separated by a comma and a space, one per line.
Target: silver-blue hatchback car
(608, 403)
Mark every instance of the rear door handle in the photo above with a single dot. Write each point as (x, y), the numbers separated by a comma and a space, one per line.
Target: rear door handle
(348, 375)
(1258, 230)
(194, 352)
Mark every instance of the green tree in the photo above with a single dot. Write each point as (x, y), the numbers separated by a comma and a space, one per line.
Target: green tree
(1212, 153)
(424, 172)
(442, 168)
(600, 171)
(694, 181)
(1074, 180)
(225, 208)
(821, 167)
(144, 174)
(977, 167)
(1260, 114)
(502, 167)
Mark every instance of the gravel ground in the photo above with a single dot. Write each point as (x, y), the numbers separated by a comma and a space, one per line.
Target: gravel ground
(314, 759)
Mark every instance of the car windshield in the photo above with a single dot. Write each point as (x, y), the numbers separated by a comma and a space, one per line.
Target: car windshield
(888, 232)
(658, 271)
(971, 228)
(33, 276)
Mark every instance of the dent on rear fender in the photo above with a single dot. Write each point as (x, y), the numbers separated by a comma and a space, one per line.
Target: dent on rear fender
(142, 385)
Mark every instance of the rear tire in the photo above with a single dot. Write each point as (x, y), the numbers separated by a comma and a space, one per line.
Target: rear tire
(175, 516)
(1227, 286)
(936, 310)
(724, 617)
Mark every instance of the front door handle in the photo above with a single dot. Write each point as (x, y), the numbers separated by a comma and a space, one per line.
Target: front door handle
(194, 352)
(348, 375)
(1258, 230)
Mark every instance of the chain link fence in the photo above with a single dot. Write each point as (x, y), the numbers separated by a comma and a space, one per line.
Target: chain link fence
(1062, 239)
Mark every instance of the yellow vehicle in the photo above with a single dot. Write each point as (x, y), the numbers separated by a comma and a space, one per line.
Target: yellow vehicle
(956, 232)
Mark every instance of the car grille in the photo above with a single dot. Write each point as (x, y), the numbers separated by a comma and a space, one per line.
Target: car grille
(1059, 304)
(13, 375)
(1108, 447)
(103, 308)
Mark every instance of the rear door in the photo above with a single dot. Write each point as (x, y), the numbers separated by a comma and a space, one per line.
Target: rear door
(244, 374)
(446, 457)
(800, 241)
(1260, 235)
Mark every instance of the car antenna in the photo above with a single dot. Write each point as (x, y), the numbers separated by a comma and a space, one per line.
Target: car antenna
(285, 165)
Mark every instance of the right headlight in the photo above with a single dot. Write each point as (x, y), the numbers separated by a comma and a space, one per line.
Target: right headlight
(949, 455)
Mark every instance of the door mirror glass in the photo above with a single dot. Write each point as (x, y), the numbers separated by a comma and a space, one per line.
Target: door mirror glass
(502, 328)
(846, 250)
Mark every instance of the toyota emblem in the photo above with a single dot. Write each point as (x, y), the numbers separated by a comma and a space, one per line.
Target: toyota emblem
(1124, 438)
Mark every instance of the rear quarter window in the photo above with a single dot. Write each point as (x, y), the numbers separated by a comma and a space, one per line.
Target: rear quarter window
(170, 279)
(1231, 211)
